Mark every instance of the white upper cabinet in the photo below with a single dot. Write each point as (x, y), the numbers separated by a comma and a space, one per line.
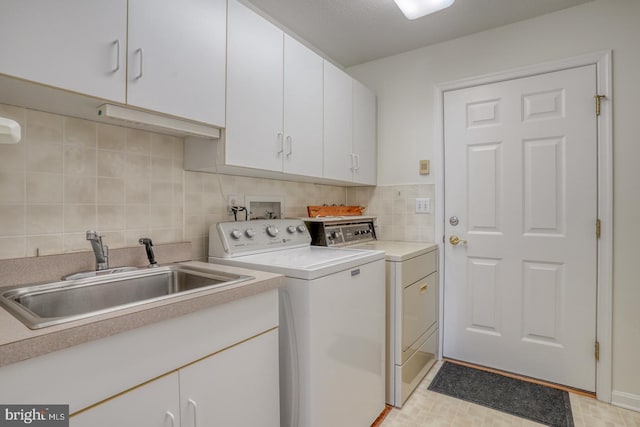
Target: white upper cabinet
(339, 160)
(254, 135)
(176, 54)
(303, 70)
(77, 45)
(274, 98)
(364, 135)
(350, 148)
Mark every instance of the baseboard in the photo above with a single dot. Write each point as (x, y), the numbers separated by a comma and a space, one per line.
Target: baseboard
(626, 400)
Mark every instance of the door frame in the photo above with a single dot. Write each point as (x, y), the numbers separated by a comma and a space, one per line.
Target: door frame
(604, 298)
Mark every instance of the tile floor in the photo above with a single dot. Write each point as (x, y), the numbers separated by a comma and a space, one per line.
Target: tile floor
(426, 408)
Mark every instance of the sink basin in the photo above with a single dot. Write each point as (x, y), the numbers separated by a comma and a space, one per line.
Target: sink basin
(49, 304)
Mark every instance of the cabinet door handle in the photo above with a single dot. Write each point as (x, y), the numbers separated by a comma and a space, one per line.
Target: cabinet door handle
(423, 288)
(195, 412)
(357, 166)
(172, 418)
(290, 141)
(353, 162)
(117, 44)
(139, 51)
(281, 143)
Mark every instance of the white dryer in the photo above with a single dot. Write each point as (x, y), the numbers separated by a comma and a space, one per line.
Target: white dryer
(332, 320)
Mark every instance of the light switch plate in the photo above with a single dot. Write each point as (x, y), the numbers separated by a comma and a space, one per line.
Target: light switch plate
(424, 167)
(423, 205)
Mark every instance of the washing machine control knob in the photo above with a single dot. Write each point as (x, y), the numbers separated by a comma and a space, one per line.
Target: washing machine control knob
(272, 230)
(236, 234)
(291, 229)
(249, 232)
(301, 228)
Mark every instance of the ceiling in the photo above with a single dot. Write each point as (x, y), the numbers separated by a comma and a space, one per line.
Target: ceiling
(352, 32)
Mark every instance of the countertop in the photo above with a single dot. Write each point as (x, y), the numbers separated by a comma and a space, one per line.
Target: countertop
(398, 251)
(17, 342)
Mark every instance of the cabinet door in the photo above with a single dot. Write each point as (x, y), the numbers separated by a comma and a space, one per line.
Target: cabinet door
(76, 45)
(154, 404)
(176, 58)
(338, 153)
(236, 387)
(364, 135)
(303, 71)
(254, 135)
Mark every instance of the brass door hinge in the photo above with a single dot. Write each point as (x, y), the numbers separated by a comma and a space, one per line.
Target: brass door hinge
(598, 228)
(597, 351)
(598, 98)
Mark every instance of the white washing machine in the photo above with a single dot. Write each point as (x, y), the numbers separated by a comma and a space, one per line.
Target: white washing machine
(412, 298)
(332, 320)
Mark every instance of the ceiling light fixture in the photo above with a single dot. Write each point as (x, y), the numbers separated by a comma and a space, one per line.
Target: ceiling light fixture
(414, 9)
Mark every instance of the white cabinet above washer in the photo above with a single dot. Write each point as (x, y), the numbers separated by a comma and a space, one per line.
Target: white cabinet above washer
(274, 98)
(291, 114)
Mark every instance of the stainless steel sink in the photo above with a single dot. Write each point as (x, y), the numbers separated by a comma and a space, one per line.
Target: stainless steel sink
(49, 304)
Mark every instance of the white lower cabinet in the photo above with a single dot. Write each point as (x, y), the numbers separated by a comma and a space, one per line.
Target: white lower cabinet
(217, 366)
(234, 387)
(154, 404)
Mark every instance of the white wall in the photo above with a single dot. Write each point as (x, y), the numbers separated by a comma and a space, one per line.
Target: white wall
(405, 83)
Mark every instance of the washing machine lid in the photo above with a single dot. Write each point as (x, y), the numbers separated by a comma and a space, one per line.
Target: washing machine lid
(306, 263)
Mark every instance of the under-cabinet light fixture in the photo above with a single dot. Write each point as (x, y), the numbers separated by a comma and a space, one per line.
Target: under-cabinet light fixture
(9, 131)
(414, 9)
(157, 122)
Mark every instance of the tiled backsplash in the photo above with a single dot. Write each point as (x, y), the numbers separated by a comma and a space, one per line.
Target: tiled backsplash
(69, 175)
(394, 206)
(206, 194)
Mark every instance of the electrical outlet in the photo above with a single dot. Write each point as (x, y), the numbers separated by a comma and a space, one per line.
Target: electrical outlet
(233, 200)
(423, 205)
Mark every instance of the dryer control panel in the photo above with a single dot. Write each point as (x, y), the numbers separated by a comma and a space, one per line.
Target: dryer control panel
(238, 238)
(332, 232)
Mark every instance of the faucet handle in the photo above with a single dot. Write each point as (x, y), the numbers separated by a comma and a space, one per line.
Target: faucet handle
(92, 235)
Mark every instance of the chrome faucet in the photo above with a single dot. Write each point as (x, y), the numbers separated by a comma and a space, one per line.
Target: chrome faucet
(99, 250)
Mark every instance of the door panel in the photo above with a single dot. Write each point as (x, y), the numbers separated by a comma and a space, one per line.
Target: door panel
(303, 70)
(178, 69)
(521, 176)
(254, 90)
(76, 45)
(338, 123)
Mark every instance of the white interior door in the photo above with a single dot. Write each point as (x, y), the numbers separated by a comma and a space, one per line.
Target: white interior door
(521, 179)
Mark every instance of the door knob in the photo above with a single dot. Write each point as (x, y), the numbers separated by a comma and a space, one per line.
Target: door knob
(455, 241)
